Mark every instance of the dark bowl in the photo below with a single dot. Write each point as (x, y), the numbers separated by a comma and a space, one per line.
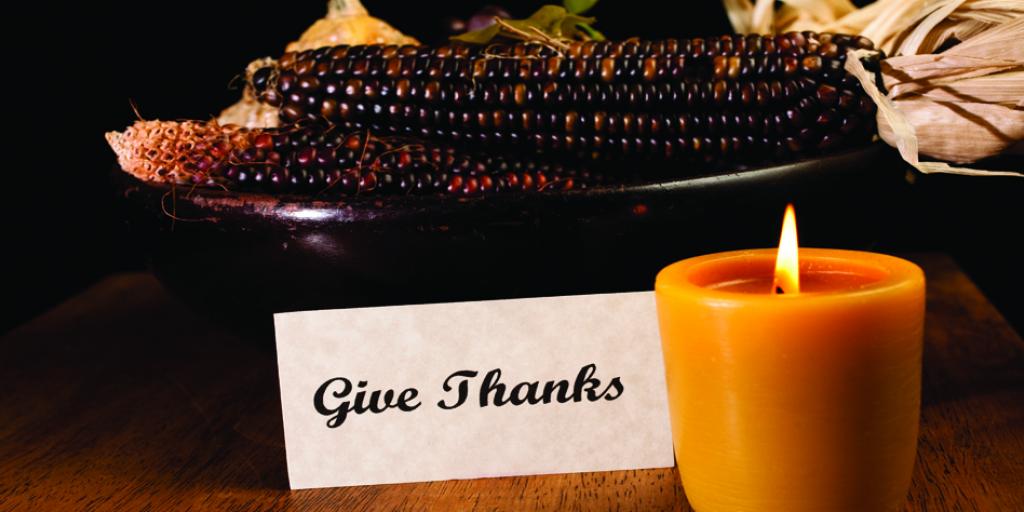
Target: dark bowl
(242, 256)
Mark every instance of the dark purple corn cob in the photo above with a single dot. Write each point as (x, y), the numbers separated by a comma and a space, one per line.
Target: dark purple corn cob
(324, 160)
(744, 98)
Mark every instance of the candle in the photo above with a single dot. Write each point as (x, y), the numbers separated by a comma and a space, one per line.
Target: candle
(794, 388)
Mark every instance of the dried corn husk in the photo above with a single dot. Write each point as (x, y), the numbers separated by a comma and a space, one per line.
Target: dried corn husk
(248, 111)
(955, 78)
(346, 22)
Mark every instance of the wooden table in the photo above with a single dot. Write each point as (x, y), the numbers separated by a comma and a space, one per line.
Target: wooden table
(122, 399)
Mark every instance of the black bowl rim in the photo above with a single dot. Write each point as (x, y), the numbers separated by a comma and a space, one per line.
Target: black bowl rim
(363, 208)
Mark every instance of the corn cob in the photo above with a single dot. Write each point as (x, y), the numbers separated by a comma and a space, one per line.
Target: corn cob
(315, 159)
(742, 97)
(176, 152)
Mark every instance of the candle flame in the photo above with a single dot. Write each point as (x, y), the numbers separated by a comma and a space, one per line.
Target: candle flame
(787, 263)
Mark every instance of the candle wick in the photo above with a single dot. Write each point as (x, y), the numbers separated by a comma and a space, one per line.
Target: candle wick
(779, 290)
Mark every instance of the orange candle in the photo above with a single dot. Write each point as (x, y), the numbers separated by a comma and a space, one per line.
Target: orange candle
(793, 390)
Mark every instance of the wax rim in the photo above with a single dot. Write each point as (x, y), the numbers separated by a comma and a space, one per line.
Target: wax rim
(900, 273)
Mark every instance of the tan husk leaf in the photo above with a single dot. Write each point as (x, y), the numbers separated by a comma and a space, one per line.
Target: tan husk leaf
(913, 39)
(874, 20)
(982, 129)
(995, 89)
(740, 13)
(960, 105)
(901, 134)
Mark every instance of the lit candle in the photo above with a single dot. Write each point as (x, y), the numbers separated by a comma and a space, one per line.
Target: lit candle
(794, 379)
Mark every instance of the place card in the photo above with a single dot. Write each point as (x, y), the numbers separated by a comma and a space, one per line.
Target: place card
(472, 389)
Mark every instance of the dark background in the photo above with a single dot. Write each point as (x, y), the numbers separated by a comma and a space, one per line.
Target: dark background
(71, 73)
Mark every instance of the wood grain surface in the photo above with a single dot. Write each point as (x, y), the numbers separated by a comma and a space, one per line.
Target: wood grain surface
(123, 399)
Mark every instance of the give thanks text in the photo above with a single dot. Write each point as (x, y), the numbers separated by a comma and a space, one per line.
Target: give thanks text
(338, 397)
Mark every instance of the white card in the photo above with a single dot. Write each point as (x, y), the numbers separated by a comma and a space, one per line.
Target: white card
(599, 402)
